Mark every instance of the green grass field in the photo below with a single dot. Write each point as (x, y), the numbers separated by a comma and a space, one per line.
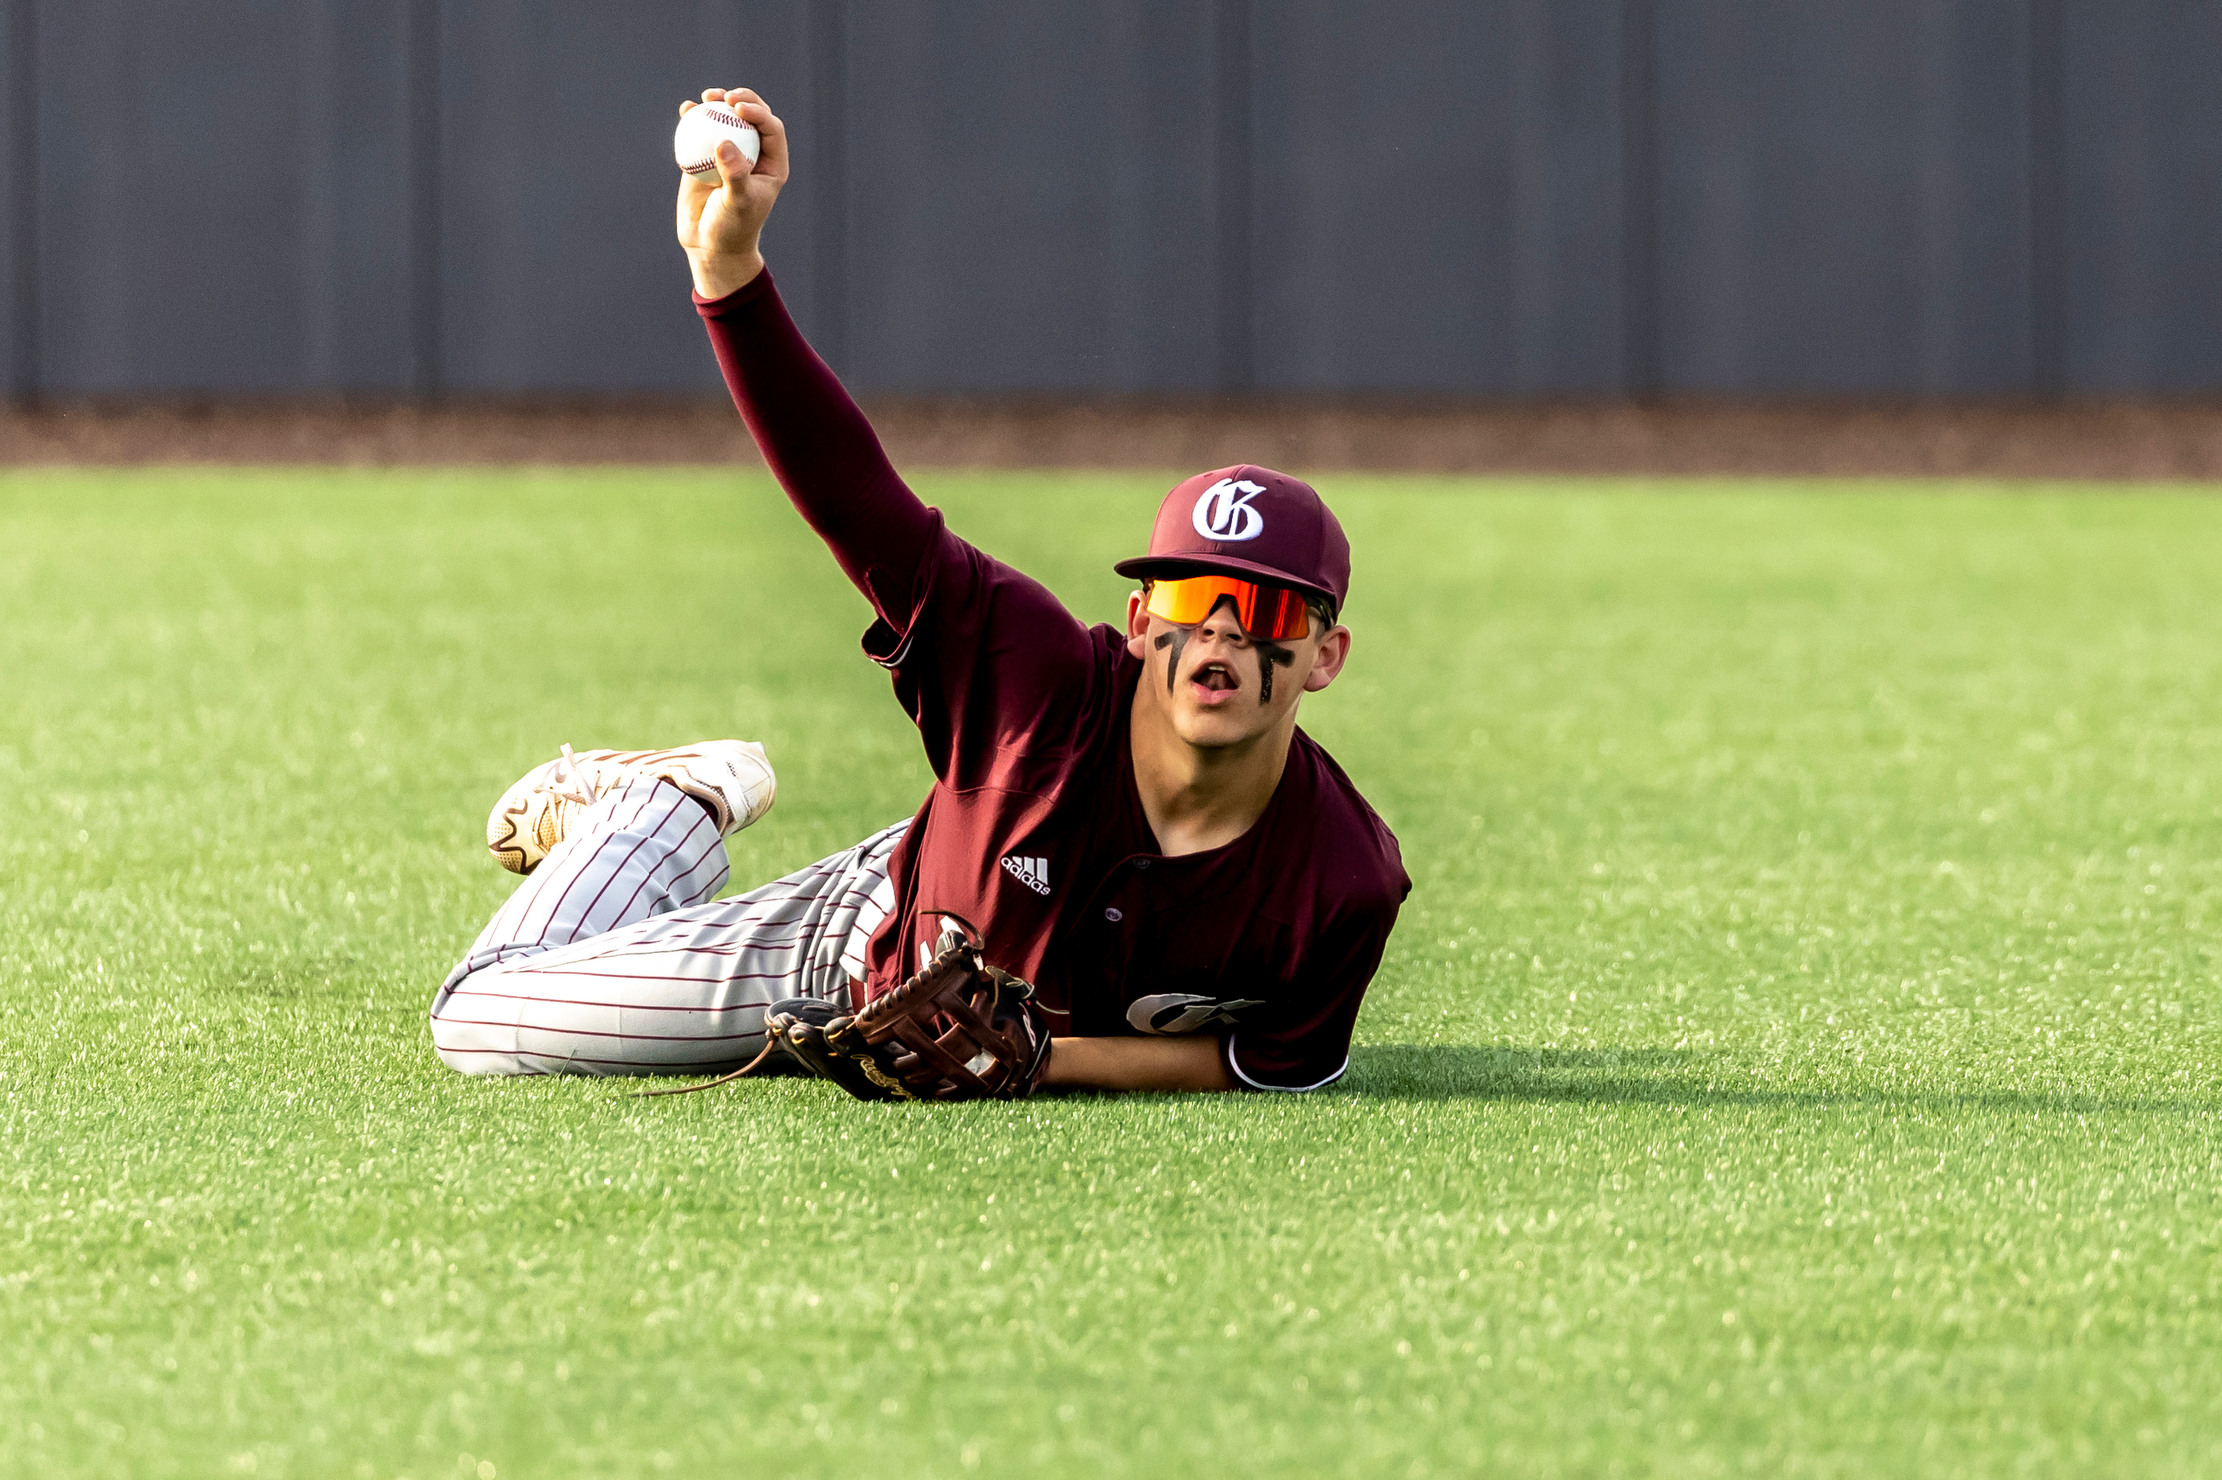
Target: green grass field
(1799, 1054)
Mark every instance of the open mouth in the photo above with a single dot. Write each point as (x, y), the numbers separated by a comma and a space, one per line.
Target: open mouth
(1214, 681)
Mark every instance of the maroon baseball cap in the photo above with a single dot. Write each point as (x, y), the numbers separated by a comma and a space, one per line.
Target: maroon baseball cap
(1247, 521)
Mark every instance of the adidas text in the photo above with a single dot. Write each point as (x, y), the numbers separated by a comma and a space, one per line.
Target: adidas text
(1032, 872)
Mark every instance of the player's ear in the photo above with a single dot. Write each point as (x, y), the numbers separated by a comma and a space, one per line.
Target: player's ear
(1137, 626)
(1334, 651)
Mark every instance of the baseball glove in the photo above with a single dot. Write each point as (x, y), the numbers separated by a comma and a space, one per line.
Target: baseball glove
(958, 1030)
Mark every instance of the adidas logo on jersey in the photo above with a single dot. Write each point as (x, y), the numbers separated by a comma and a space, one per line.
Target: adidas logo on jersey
(1032, 872)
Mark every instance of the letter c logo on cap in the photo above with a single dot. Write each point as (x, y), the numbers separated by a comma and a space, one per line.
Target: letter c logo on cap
(1224, 512)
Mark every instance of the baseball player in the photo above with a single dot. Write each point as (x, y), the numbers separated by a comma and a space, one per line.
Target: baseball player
(1179, 888)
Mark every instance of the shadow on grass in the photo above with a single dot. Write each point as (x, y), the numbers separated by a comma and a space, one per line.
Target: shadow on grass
(1668, 1076)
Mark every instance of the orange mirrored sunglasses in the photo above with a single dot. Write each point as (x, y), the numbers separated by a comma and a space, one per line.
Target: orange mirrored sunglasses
(1274, 613)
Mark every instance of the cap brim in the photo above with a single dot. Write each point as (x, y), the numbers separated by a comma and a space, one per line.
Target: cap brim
(1172, 567)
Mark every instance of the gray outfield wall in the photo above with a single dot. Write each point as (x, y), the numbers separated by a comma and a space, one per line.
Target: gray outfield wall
(1488, 198)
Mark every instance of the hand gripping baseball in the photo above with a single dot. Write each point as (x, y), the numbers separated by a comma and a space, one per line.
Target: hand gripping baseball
(721, 224)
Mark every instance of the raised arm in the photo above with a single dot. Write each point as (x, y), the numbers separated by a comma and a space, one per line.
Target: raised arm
(814, 437)
(985, 659)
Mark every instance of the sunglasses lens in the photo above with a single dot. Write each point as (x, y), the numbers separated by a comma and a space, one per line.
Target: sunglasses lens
(1281, 615)
(1274, 613)
(1185, 602)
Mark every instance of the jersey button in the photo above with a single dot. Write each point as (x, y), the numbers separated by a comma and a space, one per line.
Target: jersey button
(1114, 914)
(1141, 863)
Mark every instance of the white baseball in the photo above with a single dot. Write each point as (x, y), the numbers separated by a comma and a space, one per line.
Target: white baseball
(700, 128)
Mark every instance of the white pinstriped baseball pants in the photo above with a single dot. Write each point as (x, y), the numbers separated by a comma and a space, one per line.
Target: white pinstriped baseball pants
(615, 956)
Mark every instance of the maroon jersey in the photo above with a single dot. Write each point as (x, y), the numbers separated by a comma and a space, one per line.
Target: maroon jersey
(1034, 829)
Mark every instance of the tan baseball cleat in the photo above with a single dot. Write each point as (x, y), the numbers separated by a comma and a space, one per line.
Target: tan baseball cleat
(730, 777)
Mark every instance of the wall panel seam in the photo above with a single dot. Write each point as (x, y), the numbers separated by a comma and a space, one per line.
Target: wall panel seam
(427, 200)
(24, 217)
(1235, 163)
(2048, 269)
(827, 47)
(1639, 199)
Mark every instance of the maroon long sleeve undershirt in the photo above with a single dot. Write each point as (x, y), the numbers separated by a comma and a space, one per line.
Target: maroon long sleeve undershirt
(820, 447)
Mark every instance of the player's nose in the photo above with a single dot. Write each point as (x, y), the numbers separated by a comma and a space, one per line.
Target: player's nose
(1221, 626)
(1222, 623)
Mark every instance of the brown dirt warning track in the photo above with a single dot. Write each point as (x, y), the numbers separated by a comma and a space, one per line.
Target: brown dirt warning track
(2098, 441)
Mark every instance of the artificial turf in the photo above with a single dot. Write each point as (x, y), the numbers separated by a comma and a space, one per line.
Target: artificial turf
(1798, 1055)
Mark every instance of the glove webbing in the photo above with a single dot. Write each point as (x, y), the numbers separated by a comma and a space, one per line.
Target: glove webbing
(968, 1045)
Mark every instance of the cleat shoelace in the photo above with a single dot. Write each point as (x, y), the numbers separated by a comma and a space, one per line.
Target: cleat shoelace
(567, 781)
